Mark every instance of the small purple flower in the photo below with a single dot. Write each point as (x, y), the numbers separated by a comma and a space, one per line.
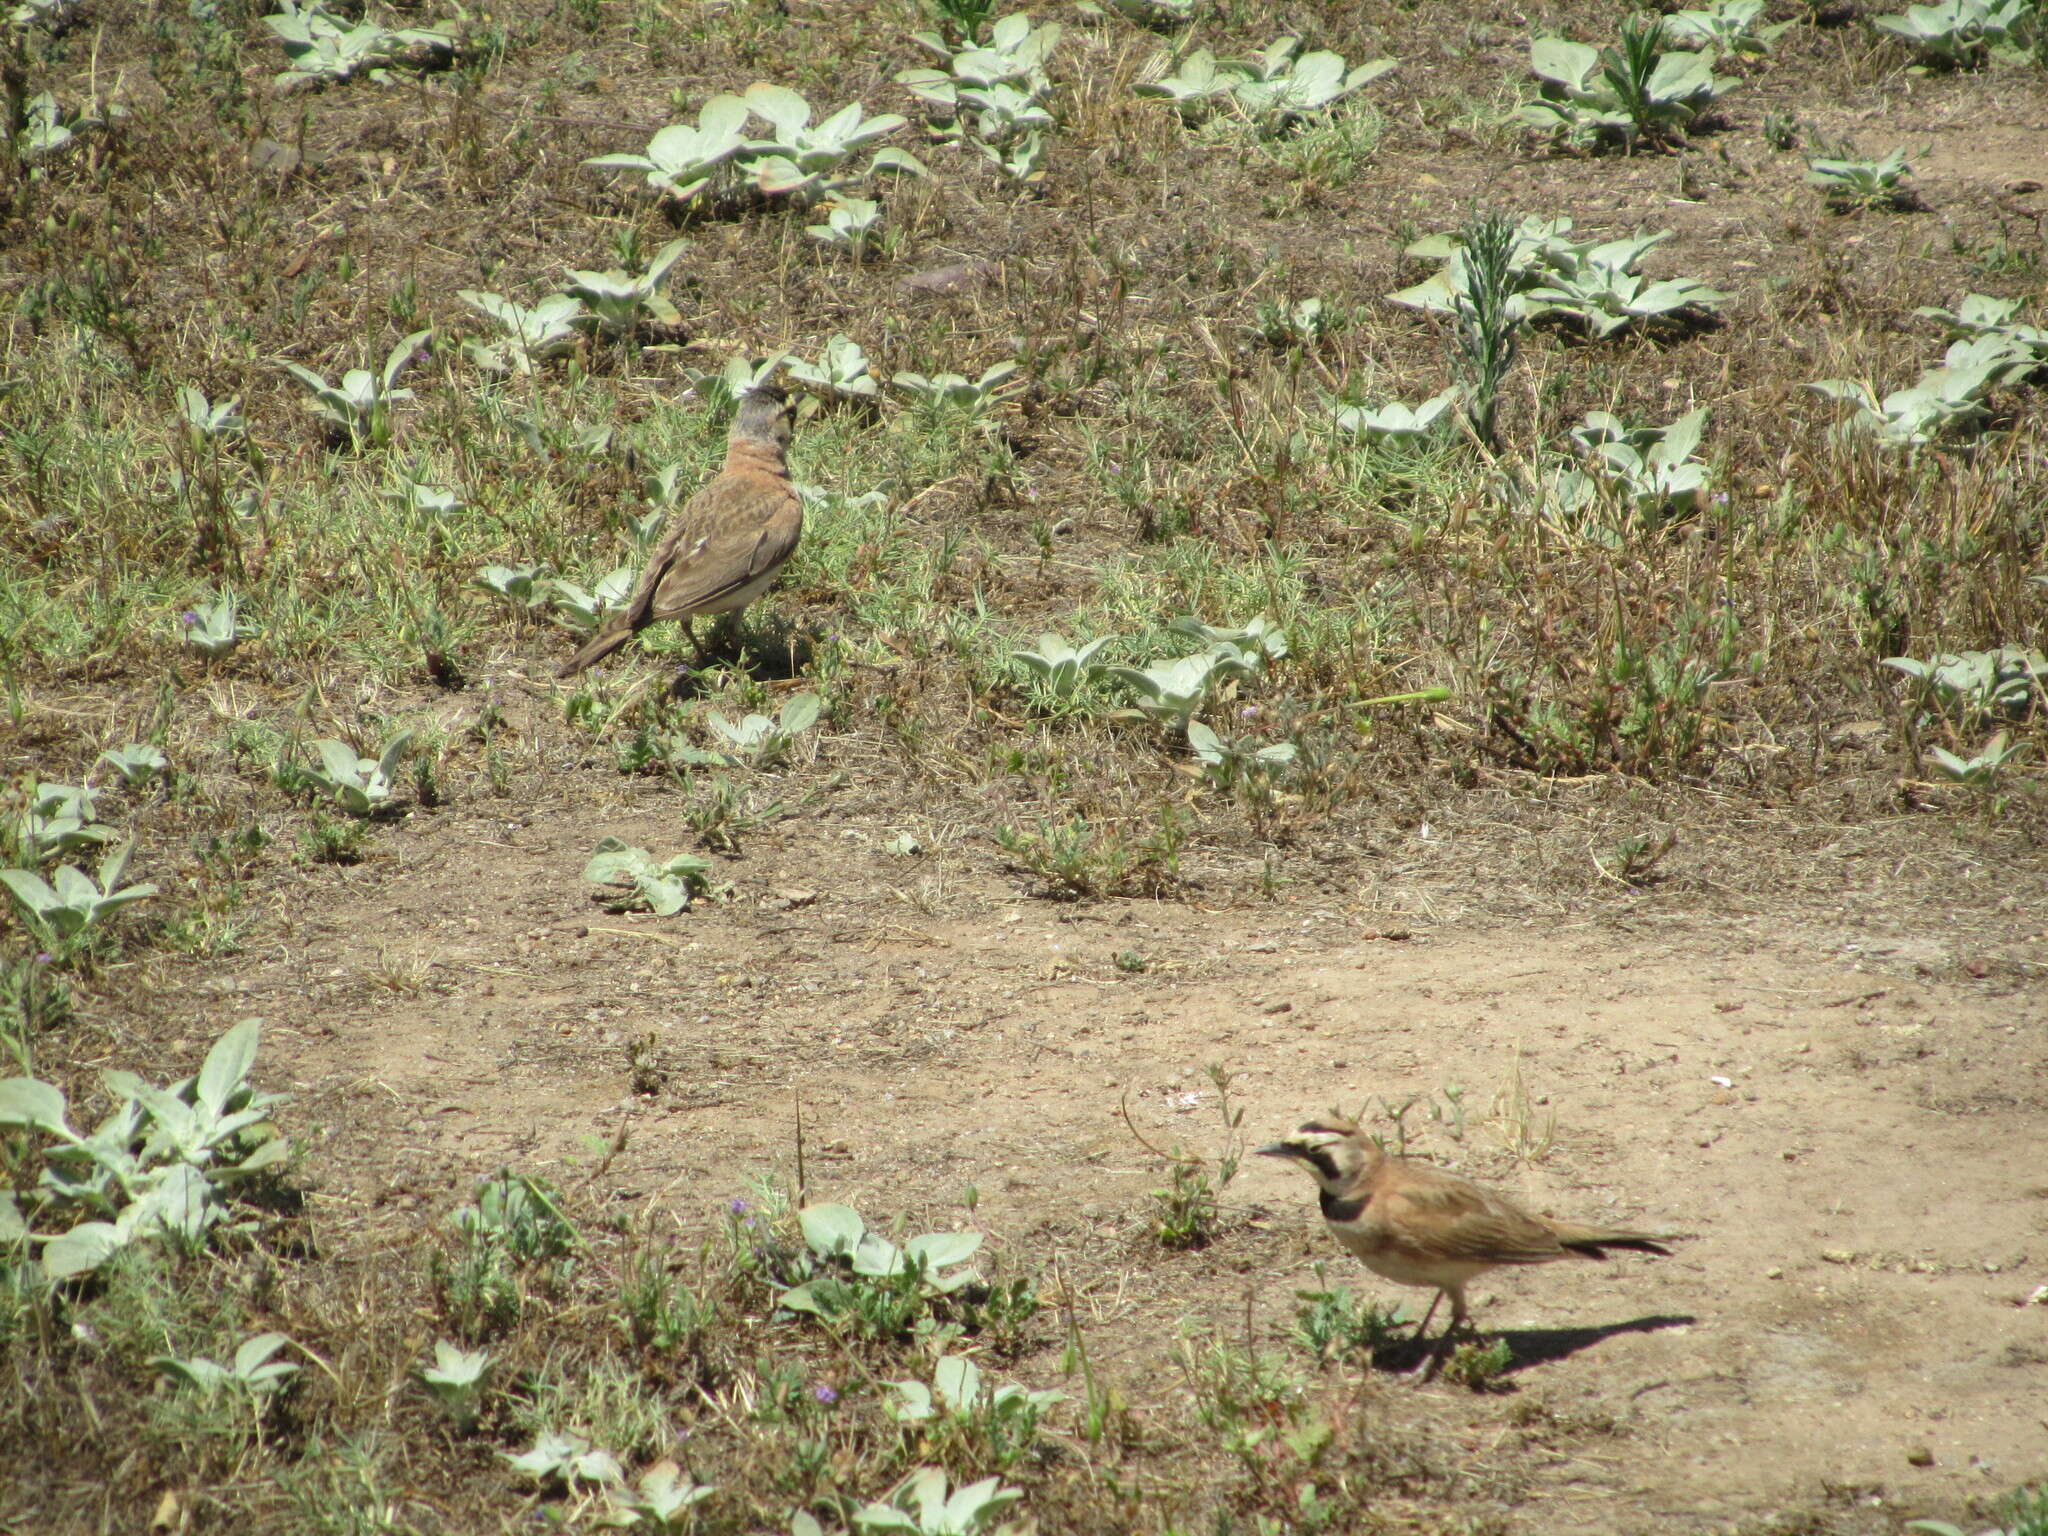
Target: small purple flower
(738, 1206)
(189, 619)
(825, 1395)
(44, 957)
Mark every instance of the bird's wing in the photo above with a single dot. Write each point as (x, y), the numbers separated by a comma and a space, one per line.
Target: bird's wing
(731, 534)
(1460, 1221)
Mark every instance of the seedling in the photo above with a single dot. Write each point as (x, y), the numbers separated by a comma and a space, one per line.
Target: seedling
(664, 1499)
(1395, 421)
(361, 786)
(57, 819)
(206, 422)
(1230, 761)
(1022, 159)
(137, 764)
(957, 1390)
(721, 390)
(568, 1460)
(153, 1165)
(1169, 692)
(801, 154)
(1186, 1210)
(67, 907)
(1957, 34)
(1727, 25)
(1945, 398)
(322, 47)
(359, 408)
(1274, 87)
(1602, 292)
(1014, 55)
(1862, 183)
(663, 887)
(1060, 670)
(45, 129)
(951, 391)
(581, 611)
(1981, 770)
(1242, 650)
(1478, 1367)
(1652, 467)
(763, 741)
(921, 1506)
(1635, 90)
(681, 161)
(841, 372)
(1979, 315)
(1332, 1323)
(252, 1374)
(531, 336)
(214, 629)
(1978, 685)
(456, 1381)
(518, 584)
(621, 302)
(850, 223)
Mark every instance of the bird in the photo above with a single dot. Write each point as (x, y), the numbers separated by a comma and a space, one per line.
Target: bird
(727, 543)
(1415, 1224)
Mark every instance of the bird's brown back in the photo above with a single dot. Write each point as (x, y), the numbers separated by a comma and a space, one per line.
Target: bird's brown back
(740, 527)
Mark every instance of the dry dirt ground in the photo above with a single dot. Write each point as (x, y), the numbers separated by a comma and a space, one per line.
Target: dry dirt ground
(1837, 1100)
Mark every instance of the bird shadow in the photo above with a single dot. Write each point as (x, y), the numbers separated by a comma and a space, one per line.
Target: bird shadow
(774, 652)
(1530, 1346)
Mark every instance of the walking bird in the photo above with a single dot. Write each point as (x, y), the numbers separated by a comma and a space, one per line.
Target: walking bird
(726, 544)
(1417, 1225)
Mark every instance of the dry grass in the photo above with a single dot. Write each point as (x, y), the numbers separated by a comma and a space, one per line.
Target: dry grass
(1166, 456)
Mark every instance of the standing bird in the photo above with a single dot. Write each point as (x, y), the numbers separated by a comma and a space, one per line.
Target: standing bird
(1417, 1225)
(726, 544)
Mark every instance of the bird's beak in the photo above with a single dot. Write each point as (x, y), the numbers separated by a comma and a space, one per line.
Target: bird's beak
(1279, 1149)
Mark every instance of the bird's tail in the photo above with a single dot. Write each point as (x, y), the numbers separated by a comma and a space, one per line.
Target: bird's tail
(1593, 1241)
(596, 650)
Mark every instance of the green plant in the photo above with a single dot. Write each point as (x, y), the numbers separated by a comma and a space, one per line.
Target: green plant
(57, 819)
(952, 391)
(529, 336)
(1186, 1211)
(663, 1499)
(251, 1375)
(1945, 399)
(520, 585)
(521, 1215)
(1981, 315)
(567, 1460)
(850, 225)
(1863, 183)
(1078, 859)
(214, 629)
(456, 1381)
(658, 1311)
(323, 47)
(152, 1168)
(1478, 1366)
(853, 1276)
(137, 765)
(681, 161)
(800, 154)
(65, 909)
(757, 739)
(1959, 34)
(620, 302)
(1058, 670)
(1488, 313)
(663, 887)
(1001, 1422)
(1974, 686)
(582, 611)
(1981, 769)
(1332, 1323)
(1637, 89)
(842, 371)
(358, 409)
(1395, 421)
(1651, 470)
(1729, 25)
(1602, 292)
(361, 786)
(921, 1506)
(2023, 1512)
(1274, 87)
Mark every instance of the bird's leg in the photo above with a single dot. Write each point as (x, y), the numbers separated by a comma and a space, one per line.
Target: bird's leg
(1423, 1327)
(690, 629)
(1433, 1358)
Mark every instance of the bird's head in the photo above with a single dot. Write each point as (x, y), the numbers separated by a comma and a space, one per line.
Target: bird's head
(764, 416)
(1331, 1149)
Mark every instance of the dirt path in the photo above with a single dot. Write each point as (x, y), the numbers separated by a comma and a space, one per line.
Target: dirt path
(1842, 1120)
